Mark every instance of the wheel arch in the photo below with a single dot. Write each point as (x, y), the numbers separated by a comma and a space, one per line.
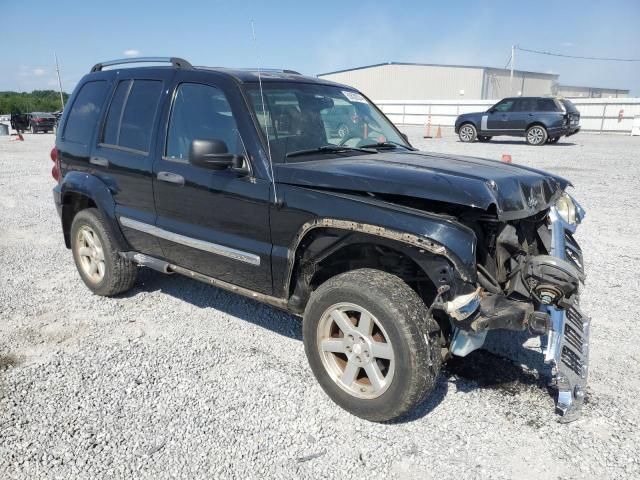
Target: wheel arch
(330, 250)
(80, 191)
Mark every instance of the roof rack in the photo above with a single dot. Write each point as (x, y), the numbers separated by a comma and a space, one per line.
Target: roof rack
(271, 70)
(174, 61)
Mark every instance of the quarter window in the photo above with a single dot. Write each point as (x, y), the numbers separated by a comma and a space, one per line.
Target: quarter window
(546, 105)
(132, 113)
(200, 112)
(85, 112)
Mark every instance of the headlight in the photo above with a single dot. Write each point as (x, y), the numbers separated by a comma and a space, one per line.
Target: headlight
(567, 208)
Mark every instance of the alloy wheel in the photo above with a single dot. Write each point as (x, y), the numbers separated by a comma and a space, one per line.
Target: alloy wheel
(466, 133)
(91, 254)
(355, 350)
(535, 135)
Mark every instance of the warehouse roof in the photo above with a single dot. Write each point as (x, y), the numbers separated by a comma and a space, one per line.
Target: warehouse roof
(550, 75)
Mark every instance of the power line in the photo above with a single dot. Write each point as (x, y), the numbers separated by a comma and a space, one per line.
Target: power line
(606, 59)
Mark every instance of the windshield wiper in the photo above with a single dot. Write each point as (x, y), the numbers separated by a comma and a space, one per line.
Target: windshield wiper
(329, 149)
(388, 144)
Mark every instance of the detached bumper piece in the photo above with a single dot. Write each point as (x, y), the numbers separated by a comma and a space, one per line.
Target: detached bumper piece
(567, 349)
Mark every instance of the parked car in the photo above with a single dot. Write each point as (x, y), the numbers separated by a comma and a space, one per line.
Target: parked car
(539, 119)
(395, 259)
(41, 122)
(342, 120)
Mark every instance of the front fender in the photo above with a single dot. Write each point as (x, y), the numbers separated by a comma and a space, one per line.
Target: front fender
(76, 184)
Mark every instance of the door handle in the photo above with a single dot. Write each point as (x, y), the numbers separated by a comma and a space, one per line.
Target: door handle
(171, 178)
(99, 161)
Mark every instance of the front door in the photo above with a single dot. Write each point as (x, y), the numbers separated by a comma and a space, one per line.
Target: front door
(215, 222)
(498, 120)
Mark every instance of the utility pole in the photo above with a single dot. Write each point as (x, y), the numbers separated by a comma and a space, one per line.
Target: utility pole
(513, 60)
(59, 81)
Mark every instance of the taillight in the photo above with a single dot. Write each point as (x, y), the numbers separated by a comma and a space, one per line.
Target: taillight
(55, 170)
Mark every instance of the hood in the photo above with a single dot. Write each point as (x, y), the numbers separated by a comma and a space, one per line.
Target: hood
(515, 191)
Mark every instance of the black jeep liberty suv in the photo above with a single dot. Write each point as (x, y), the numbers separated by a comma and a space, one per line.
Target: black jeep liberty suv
(395, 259)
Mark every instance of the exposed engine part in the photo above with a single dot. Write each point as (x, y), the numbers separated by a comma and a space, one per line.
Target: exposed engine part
(465, 342)
(550, 280)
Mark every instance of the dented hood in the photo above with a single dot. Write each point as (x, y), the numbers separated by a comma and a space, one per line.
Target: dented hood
(516, 191)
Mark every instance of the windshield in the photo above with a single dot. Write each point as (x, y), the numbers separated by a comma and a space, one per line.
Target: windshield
(301, 119)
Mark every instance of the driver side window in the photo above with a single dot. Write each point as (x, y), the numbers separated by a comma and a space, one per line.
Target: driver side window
(200, 112)
(505, 106)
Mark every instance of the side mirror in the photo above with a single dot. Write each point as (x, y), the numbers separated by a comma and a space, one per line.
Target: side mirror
(210, 153)
(491, 110)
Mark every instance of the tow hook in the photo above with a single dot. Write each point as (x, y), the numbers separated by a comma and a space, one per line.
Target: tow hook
(539, 323)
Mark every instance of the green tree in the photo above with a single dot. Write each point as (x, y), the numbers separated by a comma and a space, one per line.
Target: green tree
(36, 101)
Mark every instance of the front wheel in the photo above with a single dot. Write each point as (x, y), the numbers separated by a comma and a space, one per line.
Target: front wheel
(537, 135)
(467, 133)
(371, 344)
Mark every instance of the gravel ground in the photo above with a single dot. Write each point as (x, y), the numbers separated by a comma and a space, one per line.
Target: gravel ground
(179, 379)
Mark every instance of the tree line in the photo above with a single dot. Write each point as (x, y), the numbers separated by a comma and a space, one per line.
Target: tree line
(36, 101)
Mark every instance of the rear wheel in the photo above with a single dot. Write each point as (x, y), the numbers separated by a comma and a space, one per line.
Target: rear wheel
(467, 133)
(100, 266)
(536, 135)
(370, 345)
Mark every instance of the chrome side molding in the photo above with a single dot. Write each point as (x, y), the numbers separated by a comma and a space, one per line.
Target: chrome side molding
(222, 250)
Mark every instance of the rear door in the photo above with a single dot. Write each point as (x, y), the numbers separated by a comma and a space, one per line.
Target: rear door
(214, 222)
(498, 121)
(124, 153)
(523, 114)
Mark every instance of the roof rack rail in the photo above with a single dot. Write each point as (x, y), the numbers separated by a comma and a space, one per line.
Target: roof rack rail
(271, 70)
(174, 61)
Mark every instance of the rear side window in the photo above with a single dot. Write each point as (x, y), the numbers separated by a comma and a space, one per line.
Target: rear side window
(85, 112)
(131, 114)
(526, 105)
(546, 105)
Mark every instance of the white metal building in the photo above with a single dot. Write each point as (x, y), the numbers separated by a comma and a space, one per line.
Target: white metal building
(418, 81)
(414, 81)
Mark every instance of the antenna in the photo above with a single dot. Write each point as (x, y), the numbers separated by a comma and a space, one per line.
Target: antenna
(264, 114)
(59, 81)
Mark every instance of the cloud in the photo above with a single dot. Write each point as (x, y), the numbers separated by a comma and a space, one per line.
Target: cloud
(131, 53)
(38, 72)
(566, 44)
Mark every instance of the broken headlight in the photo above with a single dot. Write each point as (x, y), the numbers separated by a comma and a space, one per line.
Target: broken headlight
(566, 208)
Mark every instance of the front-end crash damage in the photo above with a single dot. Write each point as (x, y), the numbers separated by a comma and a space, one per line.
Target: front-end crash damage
(529, 273)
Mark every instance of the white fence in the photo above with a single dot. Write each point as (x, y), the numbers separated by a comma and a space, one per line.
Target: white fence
(603, 115)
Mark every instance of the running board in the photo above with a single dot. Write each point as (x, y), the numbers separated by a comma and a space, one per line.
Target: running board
(169, 268)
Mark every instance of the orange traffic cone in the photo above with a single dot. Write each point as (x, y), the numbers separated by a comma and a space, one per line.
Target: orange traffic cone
(439, 132)
(427, 133)
(506, 158)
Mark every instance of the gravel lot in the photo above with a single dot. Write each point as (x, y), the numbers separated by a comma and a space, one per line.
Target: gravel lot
(179, 379)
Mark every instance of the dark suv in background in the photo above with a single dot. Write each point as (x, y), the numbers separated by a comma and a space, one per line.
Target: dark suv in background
(395, 259)
(539, 119)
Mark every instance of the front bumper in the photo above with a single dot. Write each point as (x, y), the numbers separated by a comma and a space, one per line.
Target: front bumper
(567, 348)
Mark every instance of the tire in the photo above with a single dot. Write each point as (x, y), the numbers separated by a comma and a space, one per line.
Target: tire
(402, 349)
(343, 130)
(536, 135)
(483, 138)
(113, 274)
(467, 133)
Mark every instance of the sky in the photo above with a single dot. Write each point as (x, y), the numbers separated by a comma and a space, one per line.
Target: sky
(320, 36)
